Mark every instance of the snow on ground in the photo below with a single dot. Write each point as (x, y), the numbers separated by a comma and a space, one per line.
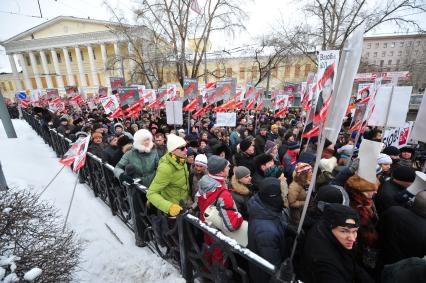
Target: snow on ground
(28, 162)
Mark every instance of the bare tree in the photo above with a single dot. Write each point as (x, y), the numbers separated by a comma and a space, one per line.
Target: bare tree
(177, 24)
(331, 22)
(31, 236)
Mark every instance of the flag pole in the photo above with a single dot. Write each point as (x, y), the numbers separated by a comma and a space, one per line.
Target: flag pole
(71, 201)
(51, 181)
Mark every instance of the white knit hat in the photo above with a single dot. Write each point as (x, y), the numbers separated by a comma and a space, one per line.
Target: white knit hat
(174, 141)
(328, 165)
(384, 159)
(201, 159)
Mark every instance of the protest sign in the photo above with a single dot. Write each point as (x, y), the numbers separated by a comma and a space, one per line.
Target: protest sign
(190, 88)
(52, 93)
(128, 96)
(174, 113)
(399, 136)
(71, 91)
(116, 82)
(103, 91)
(109, 103)
(224, 119)
(419, 130)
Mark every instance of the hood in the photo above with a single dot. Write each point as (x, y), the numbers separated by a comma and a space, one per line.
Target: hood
(138, 139)
(208, 184)
(238, 187)
(257, 210)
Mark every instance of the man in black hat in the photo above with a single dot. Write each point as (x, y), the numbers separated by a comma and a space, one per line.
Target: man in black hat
(394, 153)
(402, 178)
(405, 156)
(265, 167)
(290, 158)
(260, 140)
(328, 254)
(267, 227)
(245, 156)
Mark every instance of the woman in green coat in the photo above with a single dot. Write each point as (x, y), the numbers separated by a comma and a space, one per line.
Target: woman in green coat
(170, 185)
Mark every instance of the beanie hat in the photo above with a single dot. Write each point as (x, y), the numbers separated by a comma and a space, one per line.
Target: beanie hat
(406, 149)
(384, 159)
(63, 119)
(241, 172)
(245, 144)
(329, 194)
(293, 145)
(201, 159)
(96, 135)
(356, 183)
(118, 125)
(391, 150)
(174, 141)
(216, 164)
(269, 146)
(336, 214)
(81, 133)
(270, 193)
(327, 165)
(404, 173)
(262, 159)
(302, 167)
(123, 140)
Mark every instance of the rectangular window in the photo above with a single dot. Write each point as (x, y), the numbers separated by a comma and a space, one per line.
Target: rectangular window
(37, 56)
(392, 45)
(397, 62)
(217, 72)
(382, 62)
(385, 45)
(48, 58)
(229, 72)
(27, 58)
(409, 43)
(377, 45)
(401, 44)
(389, 62)
(82, 56)
(3, 86)
(297, 70)
(391, 53)
(308, 68)
(58, 55)
(70, 55)
(418, 43)
(383, 53)
(367, 54)
(10, 86)
(287, 71)
(369, 46)
(274, 72)
(253, 72)
(399, 53)
(242, 75)
(375, 55)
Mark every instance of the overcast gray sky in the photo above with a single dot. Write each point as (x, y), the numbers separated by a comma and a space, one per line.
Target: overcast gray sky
(19, 15)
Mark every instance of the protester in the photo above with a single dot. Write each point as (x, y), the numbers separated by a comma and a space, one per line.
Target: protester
(245, 155)
(385, 163)
(290, 158)
(267, 227)
(96, 145)
(393, 153)
(260, 139)
(328, 253)
(170, 186)
(405, 156)
(241, 189)
(119, 130)
(297, 190)
(196, 172)
(160, 145)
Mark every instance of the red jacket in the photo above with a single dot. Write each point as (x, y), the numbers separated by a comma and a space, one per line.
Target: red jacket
(211, 188)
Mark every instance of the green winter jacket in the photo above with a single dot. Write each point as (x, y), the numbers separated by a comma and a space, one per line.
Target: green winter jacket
(145, 164)
(170, 184)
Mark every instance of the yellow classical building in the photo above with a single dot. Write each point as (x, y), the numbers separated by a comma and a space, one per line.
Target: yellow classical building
(75, 51)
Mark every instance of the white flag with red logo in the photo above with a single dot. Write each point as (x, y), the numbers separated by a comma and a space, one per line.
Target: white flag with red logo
(76, 154)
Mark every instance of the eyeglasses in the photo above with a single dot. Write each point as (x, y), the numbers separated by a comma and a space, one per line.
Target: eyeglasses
(182, 148)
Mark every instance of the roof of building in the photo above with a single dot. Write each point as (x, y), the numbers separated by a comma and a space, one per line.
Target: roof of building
(394, 36)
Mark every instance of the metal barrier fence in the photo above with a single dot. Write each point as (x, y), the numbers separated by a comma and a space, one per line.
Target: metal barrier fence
(178, 240)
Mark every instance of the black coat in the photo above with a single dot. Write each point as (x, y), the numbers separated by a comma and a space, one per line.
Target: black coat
(386, 194)
(112, 155)
(257, 180)
(266, 237)
(326, 260)
(242, 159)
(259, 144)
(402, 234)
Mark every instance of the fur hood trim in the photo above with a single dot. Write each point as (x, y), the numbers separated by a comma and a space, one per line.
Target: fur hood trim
(238, 187)
(356, 183)
(139, 138)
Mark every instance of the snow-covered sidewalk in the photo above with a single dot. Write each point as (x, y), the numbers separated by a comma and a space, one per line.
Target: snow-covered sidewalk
(29, 163)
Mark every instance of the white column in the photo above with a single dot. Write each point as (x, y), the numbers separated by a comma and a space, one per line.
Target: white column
(70, 75)
(46, 69)
(59, 79)
(22, 62)
(15, 73)
(132, 63)
(35, 70)
(80, 67)
(118, 56)
(92, 66)
(104, 62)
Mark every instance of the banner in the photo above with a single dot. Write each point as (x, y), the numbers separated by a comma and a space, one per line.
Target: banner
(128, 96)
(71, 90)
(190, 88)
(109, 103)
(116, 82)
(148, 95)
(327, 68)
(419, 130)
(225, 89)
(398, 137)
(52, 93)
(76, 155)
(56, 106)
(363, 90)
(224, 119)
(103, 91)
(398, 106)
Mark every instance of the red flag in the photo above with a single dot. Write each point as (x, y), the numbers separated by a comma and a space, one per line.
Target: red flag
(78, 149)
(281, 112)
(152, 104)
(259, 106)
(324, 110)
(189, 89)
(201, 111)
(192, 105)
(25, 103)
(314, 132)
(250, 104)
(117, 113)
(239, 105)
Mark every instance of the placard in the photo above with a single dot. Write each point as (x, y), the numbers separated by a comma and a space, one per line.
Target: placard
(109, 103)
(224, 119)
(398, 137)
(128, 96)
(190, 88)
(174, 113)
(419, 130)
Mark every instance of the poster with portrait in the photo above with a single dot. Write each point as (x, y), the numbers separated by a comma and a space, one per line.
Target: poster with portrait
(327, 69)
(128, 96)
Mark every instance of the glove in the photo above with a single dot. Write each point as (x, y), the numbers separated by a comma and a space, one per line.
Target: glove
(174, 209)
(125, 178)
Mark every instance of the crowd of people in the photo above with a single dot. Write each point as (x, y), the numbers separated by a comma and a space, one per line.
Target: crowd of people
(259, 173)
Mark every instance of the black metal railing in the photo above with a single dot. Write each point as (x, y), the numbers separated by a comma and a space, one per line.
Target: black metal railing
(178, 240)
